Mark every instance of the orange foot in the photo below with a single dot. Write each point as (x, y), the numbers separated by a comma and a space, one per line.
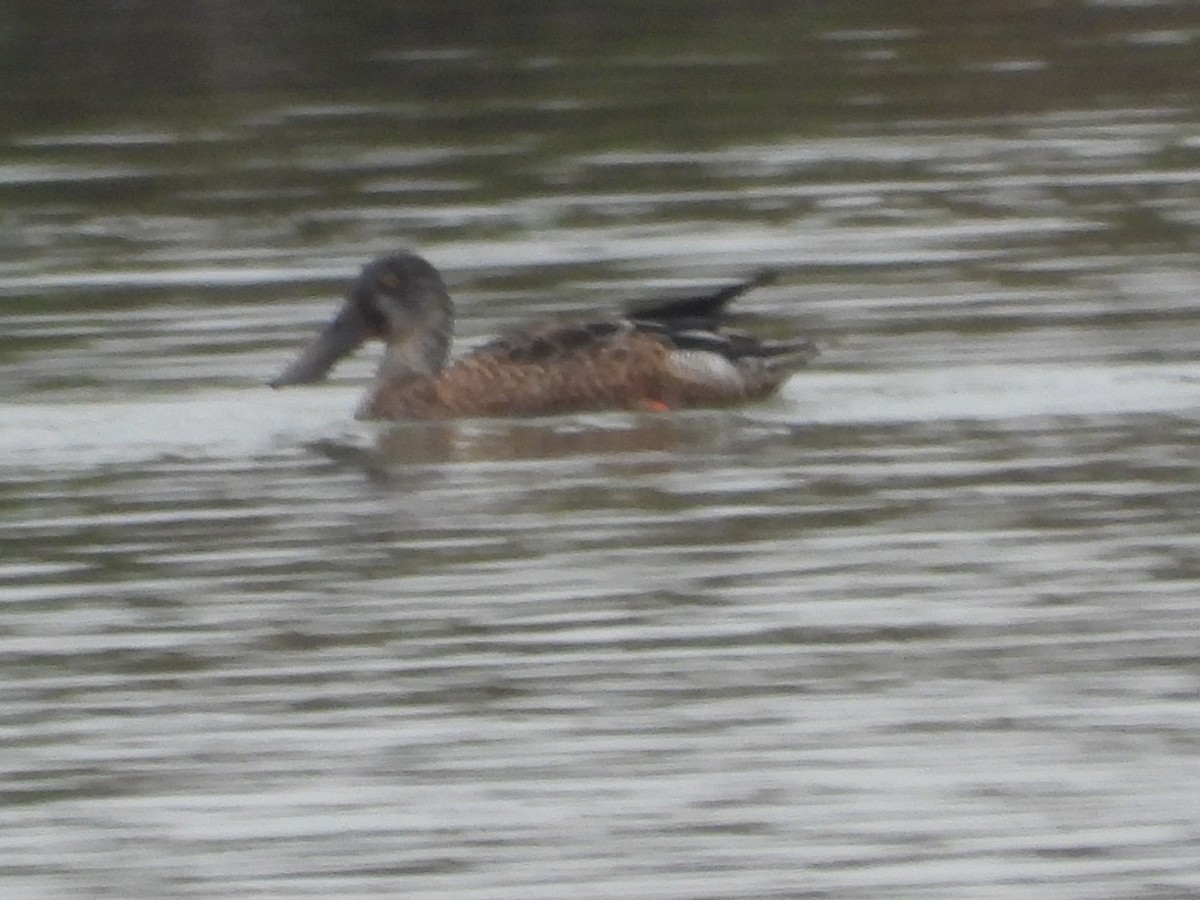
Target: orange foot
(649, 405)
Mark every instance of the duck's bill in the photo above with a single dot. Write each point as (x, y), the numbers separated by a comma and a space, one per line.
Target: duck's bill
(337, 339)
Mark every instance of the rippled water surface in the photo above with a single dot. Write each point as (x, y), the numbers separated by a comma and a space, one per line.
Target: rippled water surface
(924, 625)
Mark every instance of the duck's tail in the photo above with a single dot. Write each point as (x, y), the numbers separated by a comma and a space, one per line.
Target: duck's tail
(785, 357)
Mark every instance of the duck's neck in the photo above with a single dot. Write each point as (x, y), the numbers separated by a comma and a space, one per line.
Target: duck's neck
(420, 353)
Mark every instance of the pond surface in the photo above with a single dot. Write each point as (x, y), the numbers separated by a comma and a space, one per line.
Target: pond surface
(924, 625)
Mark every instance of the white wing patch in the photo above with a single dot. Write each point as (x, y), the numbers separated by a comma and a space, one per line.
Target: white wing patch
(703, 367)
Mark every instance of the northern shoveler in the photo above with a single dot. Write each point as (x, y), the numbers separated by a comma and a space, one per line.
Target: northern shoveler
(657, 356)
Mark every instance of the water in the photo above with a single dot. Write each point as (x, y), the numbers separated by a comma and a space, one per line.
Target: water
(921, 626)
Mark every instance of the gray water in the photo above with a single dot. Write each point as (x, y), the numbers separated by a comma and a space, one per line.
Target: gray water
(922, 626)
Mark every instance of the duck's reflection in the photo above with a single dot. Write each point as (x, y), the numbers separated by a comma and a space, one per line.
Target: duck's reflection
(633, 439)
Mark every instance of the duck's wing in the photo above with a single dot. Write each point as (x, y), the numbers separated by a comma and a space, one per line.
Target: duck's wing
(693, 327)
(688, 333)
(546, 342)
(734, 346)
(691, 323)
(703, 310)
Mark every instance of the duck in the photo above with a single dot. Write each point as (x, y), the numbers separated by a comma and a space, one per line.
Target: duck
(652, 357)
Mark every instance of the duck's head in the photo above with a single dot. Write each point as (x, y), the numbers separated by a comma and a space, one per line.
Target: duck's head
(399, 299)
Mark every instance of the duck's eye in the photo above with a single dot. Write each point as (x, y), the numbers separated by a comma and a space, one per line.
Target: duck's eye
(389, 281)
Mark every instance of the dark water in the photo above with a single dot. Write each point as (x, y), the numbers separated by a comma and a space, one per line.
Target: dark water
(923, 626)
